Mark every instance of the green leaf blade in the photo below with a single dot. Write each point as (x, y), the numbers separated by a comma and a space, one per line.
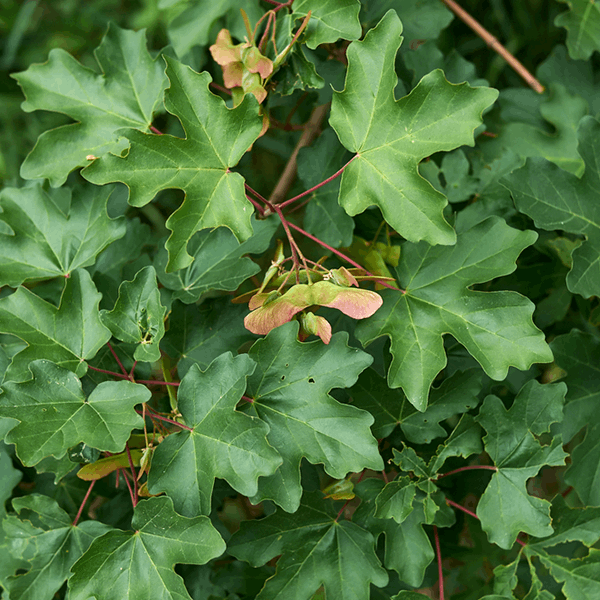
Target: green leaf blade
(391, 137)
(54, 414)
(227, 443)
(126, 95)
(140, 563)
(216, 139)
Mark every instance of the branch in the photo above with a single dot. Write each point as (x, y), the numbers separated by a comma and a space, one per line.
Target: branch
(155, 416)
(493, 43)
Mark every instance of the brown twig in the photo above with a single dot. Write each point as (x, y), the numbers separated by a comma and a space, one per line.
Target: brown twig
(493, 43)
(309, 134)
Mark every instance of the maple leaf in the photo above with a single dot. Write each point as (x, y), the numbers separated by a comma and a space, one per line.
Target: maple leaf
(391, 137)
(495, 327)
(316, 550)
(391, 408)
(47, 241)
(219, 261)
(290, 391)
(140, 563)
(216, 138)
(228, 444)
(408, 550)
(556, 199)
(127, 94)
(582, 22)
(223, 329)
(330, 20)
(506, 508)
(54, 414)
(67, 335)
(138, 316)
(42, 534)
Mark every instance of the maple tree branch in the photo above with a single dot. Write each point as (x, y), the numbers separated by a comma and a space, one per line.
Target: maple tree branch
(83, 502)
(311, 131)
(319, 185)
(438, 553)
(468, 468)
(256, 205)
(135, 483)
(493, 43)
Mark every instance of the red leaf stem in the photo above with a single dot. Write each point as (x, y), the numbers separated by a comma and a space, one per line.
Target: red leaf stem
(472, 514)
(316, 187)
(220, 88)
(342, 255)
(154, 130)
(438, 553)
(135, 483)
(248, 399)
(85, 499)
(118, 360)
(256, 205)
(133, 501)
(468, 468)
(161, 418)
(135, 362)
(119, 375)
(157, 382)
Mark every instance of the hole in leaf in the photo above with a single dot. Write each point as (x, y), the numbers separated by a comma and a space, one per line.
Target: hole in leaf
(283, 378)
(311, 380)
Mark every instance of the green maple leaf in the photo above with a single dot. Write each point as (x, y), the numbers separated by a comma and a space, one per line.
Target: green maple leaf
(421, 19)
(43, 535)
(506, 508)
(563, 111)
(582, 22)
(219, 261)
(495, 327)
(45, 242)
(67, 336)
(581, 524)
(140, 563)
(216, 139)
(391, 137)
(391, 408)
(290, 391)
(581, 576)
(408, 550)
(578, 354)
(198, 334)
(316, 550)
(584, 469)
(127, 94)
(54, 414)
(330, 20)
(555, 199)
(138, 316)
(222, 443)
